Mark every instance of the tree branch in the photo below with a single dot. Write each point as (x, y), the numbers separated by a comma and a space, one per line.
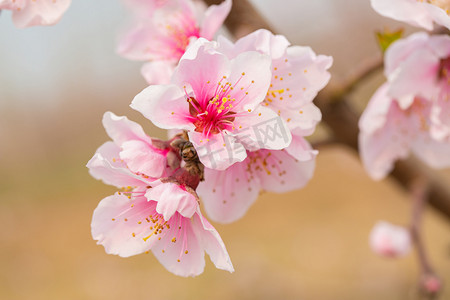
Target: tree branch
(338, 114)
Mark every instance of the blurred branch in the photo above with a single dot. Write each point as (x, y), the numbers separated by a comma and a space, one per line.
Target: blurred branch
(338, 114)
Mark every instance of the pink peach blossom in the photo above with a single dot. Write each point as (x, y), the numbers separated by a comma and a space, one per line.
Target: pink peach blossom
(26, 13)
(162, 34)
(421, 13)
(390, 240)
(297, 76)
(409, 113)
(150, 213)
(165, 219)
(217, 100)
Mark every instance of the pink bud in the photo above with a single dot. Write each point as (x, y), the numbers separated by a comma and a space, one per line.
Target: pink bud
(390, 240)
(431, 284)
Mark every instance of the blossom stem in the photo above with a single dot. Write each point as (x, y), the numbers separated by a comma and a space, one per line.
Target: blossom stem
(430, 284)
(337, 112)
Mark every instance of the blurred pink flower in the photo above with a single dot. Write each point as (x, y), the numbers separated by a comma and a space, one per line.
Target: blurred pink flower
(421, 13)
(27, 13)
(390, 240)
(165, 30)
(297, 76)
(217, 100)
(165, 219)
(410, 112)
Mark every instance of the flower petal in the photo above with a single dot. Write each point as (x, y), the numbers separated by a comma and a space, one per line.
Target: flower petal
(215, 15)
(434, 153)
(115, 225)
(172, 198)
(218, 151)
(404, 10)
(260, 40)
(211, 241)
(202, 69)
(43, 12)
(279, 172)
(158, 72)
(228, 194)
(164, 105)
(144, 159)
(120, 129)
(171, 253)
(106, 165)
(380, 148)
(250, 77)
(262, 129)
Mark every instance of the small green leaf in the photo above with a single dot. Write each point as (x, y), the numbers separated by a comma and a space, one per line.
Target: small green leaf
(386, 38)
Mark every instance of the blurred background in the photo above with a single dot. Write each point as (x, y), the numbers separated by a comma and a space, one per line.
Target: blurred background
(56, 83)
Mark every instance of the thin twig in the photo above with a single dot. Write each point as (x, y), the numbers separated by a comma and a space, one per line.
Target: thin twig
(430, 284)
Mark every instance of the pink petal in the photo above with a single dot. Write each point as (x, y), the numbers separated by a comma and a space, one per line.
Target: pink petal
(374, 116)
(416, 77)
(201, 69)
(43, 12)
(172, 198)
(380, 148)
(390, 240)
(262, 129)
(302, 74)
(439, 15)
(164, 105)
(144, 159)
(300, 149)
(434, 153)
(120, 129)
(304, 118)
(260, 40)
(250, 75)
(218, 151)
(106, 165)
(228, 194)
(279, 172)
(171, 253)
(158, 72)
(135, 42)
(407, 11)
(211, 241)
(115, 225)
(440, 115)
(215, 15)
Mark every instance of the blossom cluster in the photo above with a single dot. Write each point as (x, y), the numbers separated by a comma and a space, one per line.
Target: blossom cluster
(238, 114)
(410, 112)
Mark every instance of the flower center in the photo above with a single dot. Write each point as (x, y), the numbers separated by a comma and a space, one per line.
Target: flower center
(213, 118)
(180, 30)
(444, 72)
(217, 113)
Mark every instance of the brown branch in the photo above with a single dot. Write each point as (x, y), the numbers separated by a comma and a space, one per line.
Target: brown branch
(338, 114)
